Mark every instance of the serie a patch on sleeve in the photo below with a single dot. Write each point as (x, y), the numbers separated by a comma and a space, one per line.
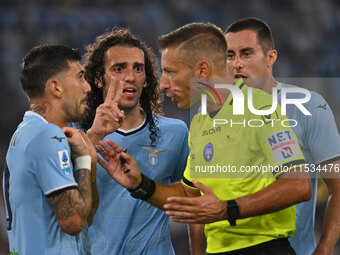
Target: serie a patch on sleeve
(64, 161)
(283, 146)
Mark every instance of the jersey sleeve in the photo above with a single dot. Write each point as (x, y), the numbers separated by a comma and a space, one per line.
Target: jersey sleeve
(322, 135)
(182, 156)
(50, 161)
(279, 143)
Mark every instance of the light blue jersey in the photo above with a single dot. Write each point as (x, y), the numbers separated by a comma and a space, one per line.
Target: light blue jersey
(125, 225)
(38, 163)
(320, 143)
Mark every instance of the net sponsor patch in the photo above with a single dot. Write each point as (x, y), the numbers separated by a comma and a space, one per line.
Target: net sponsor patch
(283, 146)
(64, 161)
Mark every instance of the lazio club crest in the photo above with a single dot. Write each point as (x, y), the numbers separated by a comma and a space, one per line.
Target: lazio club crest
(153, 157)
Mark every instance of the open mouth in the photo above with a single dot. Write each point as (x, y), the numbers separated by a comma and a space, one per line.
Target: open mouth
(240, 76)
(129, 91)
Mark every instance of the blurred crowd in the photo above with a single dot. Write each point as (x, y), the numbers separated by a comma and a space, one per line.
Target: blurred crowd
(306, 35)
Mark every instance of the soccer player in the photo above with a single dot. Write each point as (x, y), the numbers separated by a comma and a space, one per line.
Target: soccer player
(251, 55)
(252, 213)
(122, 224)
(47, 177)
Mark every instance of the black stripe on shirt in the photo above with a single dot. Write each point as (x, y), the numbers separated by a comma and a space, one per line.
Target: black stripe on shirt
(132, 132)
(189, 183)
(288, 165)
(56, 192)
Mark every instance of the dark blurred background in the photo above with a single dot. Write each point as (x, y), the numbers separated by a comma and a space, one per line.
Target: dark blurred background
(306, 35)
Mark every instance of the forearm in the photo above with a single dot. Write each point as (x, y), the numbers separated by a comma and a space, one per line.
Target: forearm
(163, 191)
(280, 194)
(331, 231)
(197, 239)
(95, 196)
(83, 178)
(72, 206)
(94, 137)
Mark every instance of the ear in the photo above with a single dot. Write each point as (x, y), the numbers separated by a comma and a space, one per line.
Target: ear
(202, 69)
(271, 57)
(53, 85)
(98, 82)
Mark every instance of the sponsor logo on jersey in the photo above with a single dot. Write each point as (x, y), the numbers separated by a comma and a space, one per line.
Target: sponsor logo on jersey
(283, 146)
(322, 106)
(64, 161)
(153, 157)
(211, 131)
(208, 152)
(59, 139)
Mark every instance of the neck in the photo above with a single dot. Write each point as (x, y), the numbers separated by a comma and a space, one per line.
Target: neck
(269, 85)
(49, 112)
(211, 106)
(133, 118)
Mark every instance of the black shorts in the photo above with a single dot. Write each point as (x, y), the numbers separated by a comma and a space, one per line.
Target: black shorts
(275, 247)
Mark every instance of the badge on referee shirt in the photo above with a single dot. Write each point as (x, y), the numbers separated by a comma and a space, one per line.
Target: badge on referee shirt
(208, 152)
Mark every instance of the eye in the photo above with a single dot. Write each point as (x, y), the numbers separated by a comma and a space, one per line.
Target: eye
(167, 72)
(230, 56)
(247, 54)
(81, 76)
(118, 69)
(139, 69)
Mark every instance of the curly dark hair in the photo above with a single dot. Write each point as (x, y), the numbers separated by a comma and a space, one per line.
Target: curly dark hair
(151, 96)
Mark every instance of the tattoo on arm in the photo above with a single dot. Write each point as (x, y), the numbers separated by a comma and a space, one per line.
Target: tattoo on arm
(75, 203)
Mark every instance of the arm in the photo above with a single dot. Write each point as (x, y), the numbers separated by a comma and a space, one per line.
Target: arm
(95, 196)
(295, 188)
(208, 208)
(197, 240)
(73, 206)
(331, 231)
(129, 176)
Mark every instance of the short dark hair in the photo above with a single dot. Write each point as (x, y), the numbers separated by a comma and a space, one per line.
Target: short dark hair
(151, 96)
(197, 39)
(263, 31)
(41, 63)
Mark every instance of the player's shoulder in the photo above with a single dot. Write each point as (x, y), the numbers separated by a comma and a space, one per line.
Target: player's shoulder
(46, 133)
(170, 123)
(315, 98)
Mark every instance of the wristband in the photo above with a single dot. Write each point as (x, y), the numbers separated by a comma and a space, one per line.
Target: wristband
(83, 162)
(233, 212)
(145, 189)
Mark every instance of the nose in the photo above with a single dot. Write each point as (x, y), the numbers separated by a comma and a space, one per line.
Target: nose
(164, 83)
(238, 64)
(129, 75)
(87, 87)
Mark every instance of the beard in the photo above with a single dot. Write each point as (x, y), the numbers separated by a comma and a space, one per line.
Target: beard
(73, 115)
(128, 108)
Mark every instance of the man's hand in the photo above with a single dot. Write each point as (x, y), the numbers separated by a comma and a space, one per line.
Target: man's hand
(120, 165)
(204, 209)
(80, 146)
(108, 115)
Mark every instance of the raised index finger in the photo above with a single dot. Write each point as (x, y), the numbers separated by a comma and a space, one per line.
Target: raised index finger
(115, 90)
